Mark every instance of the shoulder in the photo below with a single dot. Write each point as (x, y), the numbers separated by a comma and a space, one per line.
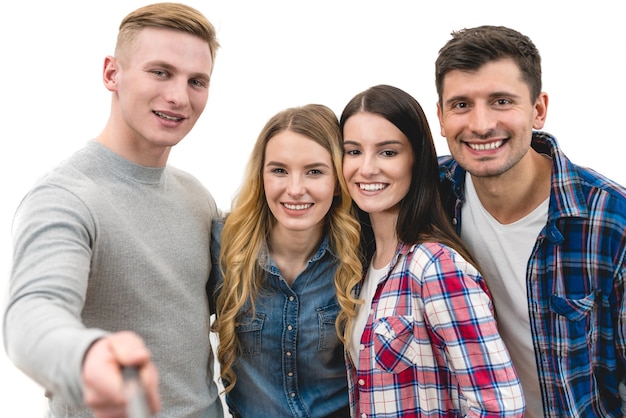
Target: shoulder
(604, 203)
(565, 171)
(66, 185)
(430, 258)
(191, 187)
(583, 191)
(447, 165)
(438, 272)
(186, 178)
(594, 182)
(451, 177)
(445, 160)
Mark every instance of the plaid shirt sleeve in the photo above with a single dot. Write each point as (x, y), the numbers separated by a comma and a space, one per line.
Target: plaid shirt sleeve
(459, 314)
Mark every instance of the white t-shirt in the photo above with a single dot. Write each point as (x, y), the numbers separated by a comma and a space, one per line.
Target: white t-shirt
(502, 252)
(367, 294)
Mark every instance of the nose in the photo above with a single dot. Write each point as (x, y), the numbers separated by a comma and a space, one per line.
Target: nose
(370, 165)
(295, 186)
(481, 120)
(176, 92)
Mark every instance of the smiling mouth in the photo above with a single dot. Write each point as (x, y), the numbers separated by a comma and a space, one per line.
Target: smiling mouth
(372, 187)
(486, 146)
(167, 117)
(297, 207)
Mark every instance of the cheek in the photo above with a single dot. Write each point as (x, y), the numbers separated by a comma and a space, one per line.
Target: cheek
(452, 123)
(269, 188)
(323, 191)
(402, 172)
(451, 143)
(348, 169)
(324, 199)
(198, 102)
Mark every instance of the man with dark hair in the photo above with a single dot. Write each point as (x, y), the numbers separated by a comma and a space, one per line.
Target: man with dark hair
(549, 235)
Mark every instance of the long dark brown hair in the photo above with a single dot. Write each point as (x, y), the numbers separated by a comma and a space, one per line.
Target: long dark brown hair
(421, 217)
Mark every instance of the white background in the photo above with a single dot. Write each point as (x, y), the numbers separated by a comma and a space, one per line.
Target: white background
(277, 54)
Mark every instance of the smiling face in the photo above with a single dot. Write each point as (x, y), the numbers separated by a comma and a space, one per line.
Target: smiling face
(299, 180)
(488, 116)
(160, 87)
(377, 162)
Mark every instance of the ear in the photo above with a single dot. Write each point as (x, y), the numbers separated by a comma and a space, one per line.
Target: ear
(541, 111)
(442, 130)
(110, 72)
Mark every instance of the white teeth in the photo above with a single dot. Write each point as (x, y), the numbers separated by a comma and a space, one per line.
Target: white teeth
(371, 187)
(298, 207)
(164, 116)
(487, 146)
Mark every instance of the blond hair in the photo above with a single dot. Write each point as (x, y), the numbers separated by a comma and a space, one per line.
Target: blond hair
(174, 16)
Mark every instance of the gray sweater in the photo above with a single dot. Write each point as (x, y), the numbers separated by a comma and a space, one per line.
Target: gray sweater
(102, 245)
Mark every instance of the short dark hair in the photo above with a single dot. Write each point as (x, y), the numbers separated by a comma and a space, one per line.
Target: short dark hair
(470, 49)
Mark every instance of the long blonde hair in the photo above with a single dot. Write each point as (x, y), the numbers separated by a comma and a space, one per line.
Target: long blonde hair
(247, 229)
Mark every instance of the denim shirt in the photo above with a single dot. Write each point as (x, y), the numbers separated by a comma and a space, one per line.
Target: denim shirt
(292, 363)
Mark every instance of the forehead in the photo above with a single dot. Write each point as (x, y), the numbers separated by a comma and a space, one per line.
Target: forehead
(292, 146)
(371, 127)
(168, 45)
(500, 75)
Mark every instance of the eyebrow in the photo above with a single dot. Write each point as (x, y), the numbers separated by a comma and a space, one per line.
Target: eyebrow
(460, 98)
(312, 165)
(493, 95)
(378, 144)
(169, 67)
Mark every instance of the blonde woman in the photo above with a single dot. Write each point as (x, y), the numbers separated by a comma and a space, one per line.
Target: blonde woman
(288, 262)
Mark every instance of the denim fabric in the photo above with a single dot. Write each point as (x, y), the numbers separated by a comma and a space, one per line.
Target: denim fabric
(292, 362)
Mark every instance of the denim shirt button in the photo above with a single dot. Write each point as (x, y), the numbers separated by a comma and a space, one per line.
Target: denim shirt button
(289, 327)
(292, 394)
(288, 353)
(291, 298)
(290, 374)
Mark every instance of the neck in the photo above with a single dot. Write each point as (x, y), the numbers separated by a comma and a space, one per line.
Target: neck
(514, 194)
(131, 146)
(384, 227)
(291, 250)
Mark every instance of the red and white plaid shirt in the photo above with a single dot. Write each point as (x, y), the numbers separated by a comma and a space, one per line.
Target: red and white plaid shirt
(431, 347)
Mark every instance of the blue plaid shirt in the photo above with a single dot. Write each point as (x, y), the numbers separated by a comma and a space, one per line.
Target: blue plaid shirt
(575, 285)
